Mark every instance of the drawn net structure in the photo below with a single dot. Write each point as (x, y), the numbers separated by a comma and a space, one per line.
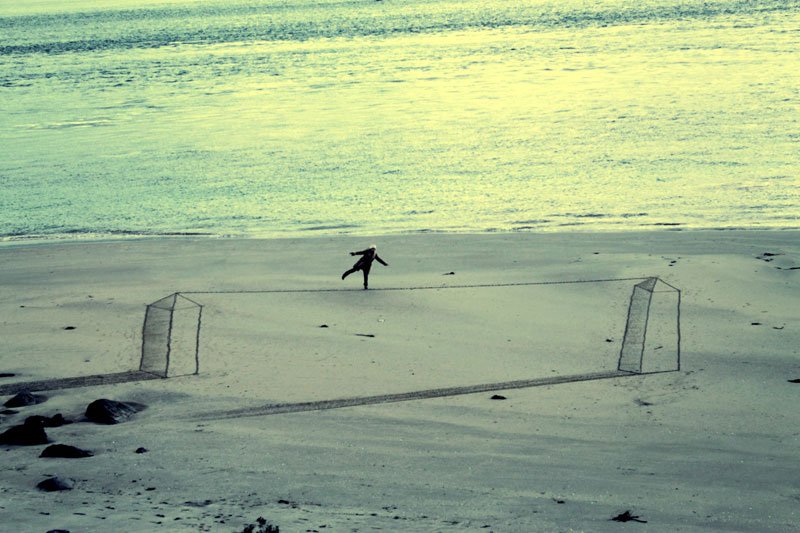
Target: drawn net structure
(555, 338)
(171, 337)
(649, 331)
(652, 332)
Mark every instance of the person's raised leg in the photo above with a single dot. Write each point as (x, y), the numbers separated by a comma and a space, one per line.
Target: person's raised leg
(348, 272)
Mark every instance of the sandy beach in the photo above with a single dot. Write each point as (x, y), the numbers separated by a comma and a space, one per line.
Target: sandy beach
(713, 446)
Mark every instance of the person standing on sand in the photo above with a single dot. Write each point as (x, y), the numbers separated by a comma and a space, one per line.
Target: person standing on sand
(365, 263)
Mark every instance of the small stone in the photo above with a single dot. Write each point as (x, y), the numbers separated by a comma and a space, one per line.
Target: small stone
(58, 531)
(141, 450)
(498, 397)
(53, 484)
(65, 451)
(69, 328)
(24, 399)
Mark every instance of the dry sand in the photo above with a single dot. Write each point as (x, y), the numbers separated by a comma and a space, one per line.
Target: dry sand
(713, 446)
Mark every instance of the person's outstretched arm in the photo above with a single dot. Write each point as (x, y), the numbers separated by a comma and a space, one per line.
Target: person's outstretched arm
(362, 252)
(381, 261)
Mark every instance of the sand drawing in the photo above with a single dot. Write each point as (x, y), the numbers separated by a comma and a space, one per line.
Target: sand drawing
(76, 382)
(172, 345)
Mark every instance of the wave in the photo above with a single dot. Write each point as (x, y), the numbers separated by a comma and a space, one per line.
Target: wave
(86, 233)
(331, 227)
(299, 21)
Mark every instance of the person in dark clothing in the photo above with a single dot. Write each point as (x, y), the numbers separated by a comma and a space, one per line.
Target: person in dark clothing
(365, 263)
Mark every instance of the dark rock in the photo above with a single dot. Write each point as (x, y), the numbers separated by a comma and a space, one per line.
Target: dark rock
(449, 274)
(105, 411)
(57, 420)
(8, 412)
(204, 503)
(24, 399)
(24, 435)
(261, 526)
(53, 484)
(6, 375)
(141, 450)
(498, 397)
(69, 328)
(36, 420)
(794, 381)
(323, 325)
(65, 451)
(628, 517)
(58, 531)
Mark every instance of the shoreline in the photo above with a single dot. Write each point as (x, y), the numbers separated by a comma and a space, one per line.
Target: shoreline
(80, 238)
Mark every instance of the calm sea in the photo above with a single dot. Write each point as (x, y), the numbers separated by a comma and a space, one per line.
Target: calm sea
(309, 117)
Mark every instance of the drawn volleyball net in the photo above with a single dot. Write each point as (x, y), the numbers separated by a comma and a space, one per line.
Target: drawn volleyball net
(643, 319)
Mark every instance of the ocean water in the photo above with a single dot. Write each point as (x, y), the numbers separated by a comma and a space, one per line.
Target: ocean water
(301, 117)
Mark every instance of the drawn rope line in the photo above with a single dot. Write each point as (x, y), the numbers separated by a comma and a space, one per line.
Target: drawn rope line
(76, 382)
(421, 287)
(281, 408)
